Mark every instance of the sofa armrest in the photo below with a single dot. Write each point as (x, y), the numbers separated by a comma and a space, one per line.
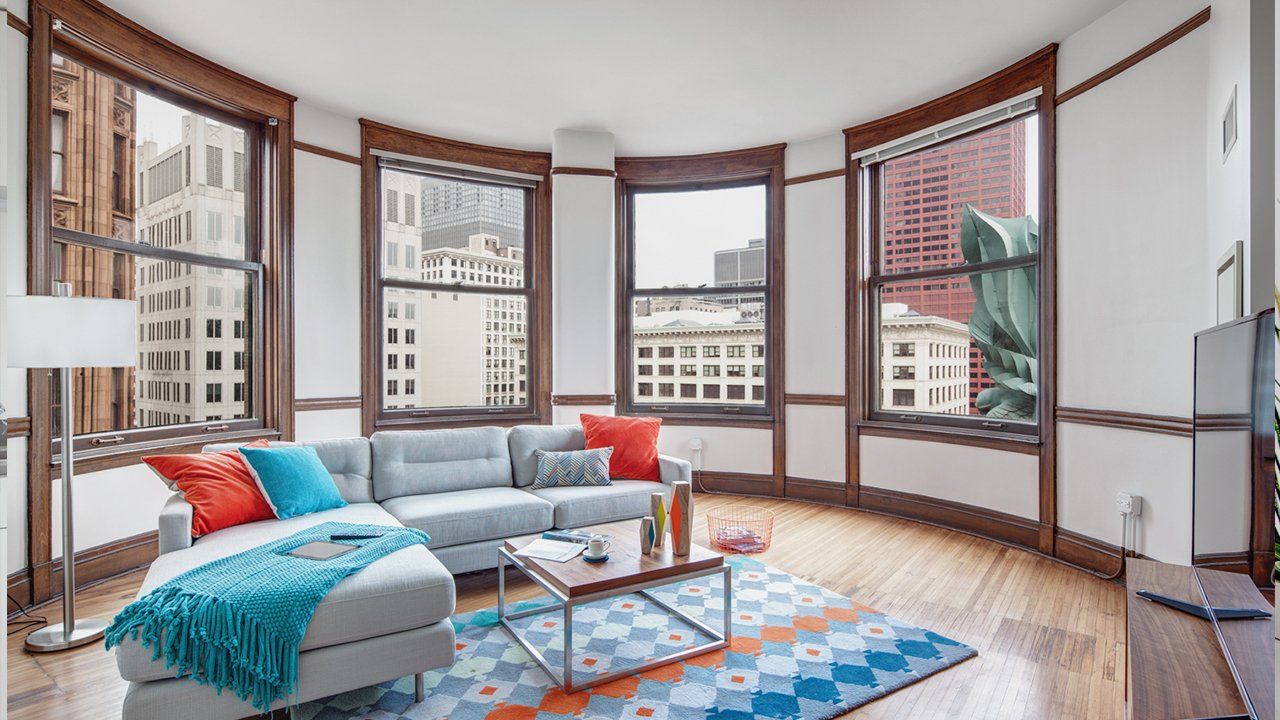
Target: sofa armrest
(671, 469)
(175, 524)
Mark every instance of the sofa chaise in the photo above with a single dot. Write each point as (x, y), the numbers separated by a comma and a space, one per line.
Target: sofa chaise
(469, 489)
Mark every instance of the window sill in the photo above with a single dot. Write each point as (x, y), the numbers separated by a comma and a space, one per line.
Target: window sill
(461, 420)
(709, 419)
(1008, 442)
(121, 456)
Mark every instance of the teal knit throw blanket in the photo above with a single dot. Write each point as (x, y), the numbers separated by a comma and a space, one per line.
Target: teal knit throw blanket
(236, 622)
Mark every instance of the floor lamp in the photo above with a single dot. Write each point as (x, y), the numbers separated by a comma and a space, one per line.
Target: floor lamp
(63, 332)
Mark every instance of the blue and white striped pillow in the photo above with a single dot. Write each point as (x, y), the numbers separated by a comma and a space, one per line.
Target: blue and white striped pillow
(575, 467)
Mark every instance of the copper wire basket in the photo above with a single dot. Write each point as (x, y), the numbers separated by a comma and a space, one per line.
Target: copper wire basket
(740, 529)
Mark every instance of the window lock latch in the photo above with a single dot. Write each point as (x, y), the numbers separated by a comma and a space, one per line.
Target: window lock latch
(214, 428)
(911, 418)
(98, 442)
(995, 425)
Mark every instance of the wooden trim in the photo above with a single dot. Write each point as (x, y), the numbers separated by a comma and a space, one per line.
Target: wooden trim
(1142, 422)
(19, 427)
(107, 459)
(875, 428)
(838, 172)
(971, 519)
(1220, 422)
(1034, 71)
(326, 403)
(819, 491)
(1085, 552)
(93, 565)
(375, 135)
(18, 24)
(325, 152)
(599, 172)
(583, 399)
(855, 268)
(734, 483)
(1236, 562)
(1047, 281)
(709, 420)
(828, 400)
(750, 162)
(1145, 52)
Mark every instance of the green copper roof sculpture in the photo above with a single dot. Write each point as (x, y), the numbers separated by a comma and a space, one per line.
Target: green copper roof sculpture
(1004, 321)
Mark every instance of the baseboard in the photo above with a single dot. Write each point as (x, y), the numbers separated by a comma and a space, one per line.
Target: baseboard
(1085, 552)
(818, 491)
(971, 519)
(93, 565)
(1236, 562)
(734, 483)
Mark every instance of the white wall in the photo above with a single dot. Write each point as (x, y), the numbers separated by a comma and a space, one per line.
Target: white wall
(13, 272)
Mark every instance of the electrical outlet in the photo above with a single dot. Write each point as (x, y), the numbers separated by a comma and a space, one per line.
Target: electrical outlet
(695, 444)
(1128, 503)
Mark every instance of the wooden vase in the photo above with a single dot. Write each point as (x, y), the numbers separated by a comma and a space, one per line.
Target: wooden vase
(681, 517)
(658, 510)
(646, 535)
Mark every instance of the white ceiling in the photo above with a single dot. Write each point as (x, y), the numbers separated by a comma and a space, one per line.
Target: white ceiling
(665, 76)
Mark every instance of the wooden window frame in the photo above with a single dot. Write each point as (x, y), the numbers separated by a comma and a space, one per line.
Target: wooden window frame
(375, 136)
(106, 40)
(712, 171)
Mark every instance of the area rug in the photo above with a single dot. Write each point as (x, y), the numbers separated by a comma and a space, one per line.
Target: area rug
(799, 652)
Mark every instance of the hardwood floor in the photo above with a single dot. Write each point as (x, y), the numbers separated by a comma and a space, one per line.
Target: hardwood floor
(1050, 638)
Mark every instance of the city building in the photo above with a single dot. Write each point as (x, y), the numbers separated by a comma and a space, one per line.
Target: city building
(194, 347)
(454, 211)
(921, 202)
(740, 266)
(924, 362)
(686, 354)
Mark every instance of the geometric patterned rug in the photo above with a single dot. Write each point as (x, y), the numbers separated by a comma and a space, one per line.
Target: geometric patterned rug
(799, 652)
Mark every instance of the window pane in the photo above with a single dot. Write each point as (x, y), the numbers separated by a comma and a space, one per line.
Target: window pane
(700, 237)
(195, 342)
(467, 233)
(974, 354)
(455, 350)
(708, 328)
(923, 196)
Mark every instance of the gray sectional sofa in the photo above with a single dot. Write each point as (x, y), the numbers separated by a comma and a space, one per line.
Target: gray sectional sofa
(469, 489)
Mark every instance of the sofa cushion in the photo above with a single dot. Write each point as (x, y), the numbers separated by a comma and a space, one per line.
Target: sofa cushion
(468, 516)
(590, 505)
(523, 440)
(404, 590)
(348, 460)
(436, 461)
(293, 480)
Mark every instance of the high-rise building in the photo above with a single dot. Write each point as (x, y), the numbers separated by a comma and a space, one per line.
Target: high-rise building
(193, 344)
(923, 195)
(454, 211)
(740, 266)
(92, 129)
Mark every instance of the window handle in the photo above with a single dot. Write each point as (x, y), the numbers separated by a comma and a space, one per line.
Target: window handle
(98, 442)
(495, 411)
(732, 409)
(661, 408)
(214, 428)
(911, 418)
(419, 413)
(989, 424)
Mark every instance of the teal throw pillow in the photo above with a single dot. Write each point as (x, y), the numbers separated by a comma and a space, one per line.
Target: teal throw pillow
(575, 467)
(292, 480)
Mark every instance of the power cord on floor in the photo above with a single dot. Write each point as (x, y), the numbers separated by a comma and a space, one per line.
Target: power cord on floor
(32, 622)
(1124, 540)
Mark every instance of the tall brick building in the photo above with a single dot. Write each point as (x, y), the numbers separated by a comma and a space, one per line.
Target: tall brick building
(922, 196)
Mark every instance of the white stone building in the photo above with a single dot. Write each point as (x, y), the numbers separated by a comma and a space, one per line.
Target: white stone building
(686, 354)
(924, 362)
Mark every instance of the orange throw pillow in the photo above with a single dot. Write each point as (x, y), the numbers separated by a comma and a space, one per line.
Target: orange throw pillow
(634, 441)
(218, 485)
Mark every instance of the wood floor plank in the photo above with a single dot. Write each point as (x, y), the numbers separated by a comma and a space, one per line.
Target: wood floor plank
(1050, 638)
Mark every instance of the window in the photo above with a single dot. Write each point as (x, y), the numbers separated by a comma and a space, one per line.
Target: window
(736, 392)
(646, 389)
(644, 352)
(121, 227)
(666, 390)
(666, 352)
(736, 371)
(644, 369)
(466, 260)
(688, 370)
(697, 261)
(688, 390)
(666, 370)
(954, 279)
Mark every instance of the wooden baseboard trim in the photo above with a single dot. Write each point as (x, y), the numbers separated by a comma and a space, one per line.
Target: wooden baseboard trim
(93, 565)
(329, 403)
(580, 400)
(818, 491)
(1085, 552)
(838, 172)
(325, 152)
(19, 427)
(734, 483)
(1147, 51)
(971, 519)
(1141, 422)
(1238, 562)
(813, 399)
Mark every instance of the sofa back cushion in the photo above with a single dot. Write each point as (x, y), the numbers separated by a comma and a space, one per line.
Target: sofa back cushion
(348, 460)
(524, 440)
(420, 462)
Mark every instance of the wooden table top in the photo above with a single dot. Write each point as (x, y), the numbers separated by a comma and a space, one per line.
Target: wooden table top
(1177, 668)
(626, 564)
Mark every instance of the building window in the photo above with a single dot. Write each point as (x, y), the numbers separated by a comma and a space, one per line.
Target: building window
(736, 371)
(688, 390)
(477, 323)
(953, 278)
(688, 351)
(736, 351)
(58, 154)
(736, 392)
(666, 390)
(644, 352)
(666, 370)
(212, 394)
(666, 352)
(212, 360)
(711, 351)
(711, 392)
(645, 389)
(644, 369)
(688, 370)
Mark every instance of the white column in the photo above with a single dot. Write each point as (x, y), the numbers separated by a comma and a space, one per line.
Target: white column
(582, 240)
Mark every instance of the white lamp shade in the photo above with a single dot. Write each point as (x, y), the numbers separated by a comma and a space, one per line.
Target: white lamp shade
(43, 331)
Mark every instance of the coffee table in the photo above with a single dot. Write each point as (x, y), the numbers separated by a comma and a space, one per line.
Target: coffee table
(627, 571)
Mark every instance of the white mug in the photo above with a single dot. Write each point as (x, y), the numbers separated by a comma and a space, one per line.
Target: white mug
(597, 547)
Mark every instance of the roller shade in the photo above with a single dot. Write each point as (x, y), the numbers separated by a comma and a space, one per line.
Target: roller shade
(456, 171)
(992, 115)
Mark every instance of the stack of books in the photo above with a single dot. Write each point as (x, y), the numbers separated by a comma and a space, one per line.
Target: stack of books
(739, 540)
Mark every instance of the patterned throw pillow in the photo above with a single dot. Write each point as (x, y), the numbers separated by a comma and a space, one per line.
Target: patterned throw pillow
(576, 467)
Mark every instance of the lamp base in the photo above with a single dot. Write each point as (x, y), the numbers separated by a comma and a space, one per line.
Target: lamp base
(51, 638)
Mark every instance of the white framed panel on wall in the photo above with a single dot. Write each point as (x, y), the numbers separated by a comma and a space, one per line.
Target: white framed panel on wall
(816, 442)
(724, 449)
(815, 292)
(326, 424)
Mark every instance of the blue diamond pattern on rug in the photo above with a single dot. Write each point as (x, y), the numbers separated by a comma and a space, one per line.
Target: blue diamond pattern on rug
(799, 652)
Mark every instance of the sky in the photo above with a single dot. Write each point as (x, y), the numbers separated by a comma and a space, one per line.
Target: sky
(677, 233)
